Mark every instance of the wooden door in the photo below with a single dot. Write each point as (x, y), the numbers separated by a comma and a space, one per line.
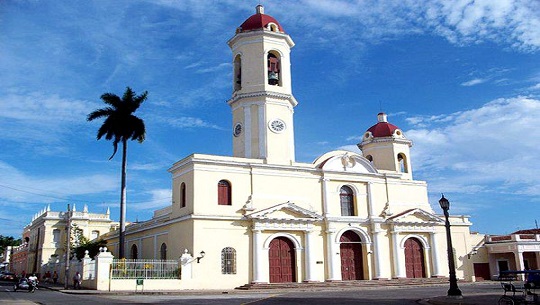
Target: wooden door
(481, 271)
(414, 259)
(282, 261)
(352, 263)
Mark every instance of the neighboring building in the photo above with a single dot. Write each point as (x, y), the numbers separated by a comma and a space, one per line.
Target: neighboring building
(44, 239)
(261, 217)
(517, 251)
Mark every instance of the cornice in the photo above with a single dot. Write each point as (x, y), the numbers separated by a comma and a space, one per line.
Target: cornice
(269, 94)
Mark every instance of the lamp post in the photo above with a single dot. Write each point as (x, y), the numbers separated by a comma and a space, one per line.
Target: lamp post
(454, 290)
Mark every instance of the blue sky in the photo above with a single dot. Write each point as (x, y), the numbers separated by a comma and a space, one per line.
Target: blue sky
(461, 78)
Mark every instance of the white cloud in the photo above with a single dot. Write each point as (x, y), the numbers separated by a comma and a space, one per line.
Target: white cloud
(24, 188)
(512, 22)
(494, 144)
(474, 82)
(535, 87)
(159, 198)
(190, 122)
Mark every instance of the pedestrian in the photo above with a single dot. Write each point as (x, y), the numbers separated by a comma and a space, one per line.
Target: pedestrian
(47, 277)
(77, 280)
(55, 277)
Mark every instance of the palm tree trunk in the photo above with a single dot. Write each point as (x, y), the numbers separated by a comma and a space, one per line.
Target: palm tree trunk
(122, 236)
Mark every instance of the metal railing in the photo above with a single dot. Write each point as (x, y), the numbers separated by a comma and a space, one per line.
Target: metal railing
(145, 269)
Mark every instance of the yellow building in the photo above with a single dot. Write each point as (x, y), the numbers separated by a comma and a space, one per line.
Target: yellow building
(44, 238)
(261, 217)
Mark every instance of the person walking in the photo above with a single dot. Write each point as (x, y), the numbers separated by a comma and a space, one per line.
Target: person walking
(55, 277)
(77, 280)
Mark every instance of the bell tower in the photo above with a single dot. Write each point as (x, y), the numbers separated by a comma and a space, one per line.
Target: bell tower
(262, 102)
(387, 148)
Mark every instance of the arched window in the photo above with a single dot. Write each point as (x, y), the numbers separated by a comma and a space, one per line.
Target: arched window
(402, 160)
(237, 73)
(224, 192)
(183, 195)
(347, 201)
(134, 252)
(56, 236)
(94, 235)
(273, 69)
(228, 261)
(163, 251)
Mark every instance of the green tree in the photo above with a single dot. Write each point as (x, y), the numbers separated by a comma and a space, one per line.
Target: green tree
(6, 241)
(92, 247)
(120, 125)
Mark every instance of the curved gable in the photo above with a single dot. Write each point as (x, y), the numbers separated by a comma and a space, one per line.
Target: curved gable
(344, 161)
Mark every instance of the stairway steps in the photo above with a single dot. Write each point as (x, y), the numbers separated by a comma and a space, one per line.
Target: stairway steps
(346, 284)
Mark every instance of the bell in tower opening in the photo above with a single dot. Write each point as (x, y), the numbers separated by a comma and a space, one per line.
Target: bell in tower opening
(273, 69)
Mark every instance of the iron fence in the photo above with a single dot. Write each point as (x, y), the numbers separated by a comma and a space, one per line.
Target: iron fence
(145, 269)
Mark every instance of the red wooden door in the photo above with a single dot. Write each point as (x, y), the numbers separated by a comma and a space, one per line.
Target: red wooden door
(282, 261)
(481, 271)
(414, 258)
(352, 264)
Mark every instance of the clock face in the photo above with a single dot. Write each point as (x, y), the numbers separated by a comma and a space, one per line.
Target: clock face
(237, 129)
(277, 125)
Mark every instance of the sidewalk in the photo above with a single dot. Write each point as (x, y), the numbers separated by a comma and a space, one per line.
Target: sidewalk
(488, 298)
(473, 299)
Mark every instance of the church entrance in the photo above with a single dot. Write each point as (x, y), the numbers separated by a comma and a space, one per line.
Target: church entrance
(352, 263)
(282, 261)
(414, 258)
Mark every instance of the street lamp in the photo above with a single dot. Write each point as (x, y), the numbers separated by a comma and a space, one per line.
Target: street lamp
(454, 290)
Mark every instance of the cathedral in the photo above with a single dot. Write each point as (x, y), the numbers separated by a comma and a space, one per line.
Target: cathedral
(259, 216)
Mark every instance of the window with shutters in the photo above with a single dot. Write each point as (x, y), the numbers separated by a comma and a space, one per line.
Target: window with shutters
(228, 261)
(224, 193)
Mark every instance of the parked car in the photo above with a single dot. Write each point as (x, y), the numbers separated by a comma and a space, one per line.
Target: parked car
(7, 276)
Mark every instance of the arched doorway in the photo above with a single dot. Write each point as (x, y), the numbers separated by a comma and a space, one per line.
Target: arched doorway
(414, 258)
(352, 263)
(282, 260)
(134, 252)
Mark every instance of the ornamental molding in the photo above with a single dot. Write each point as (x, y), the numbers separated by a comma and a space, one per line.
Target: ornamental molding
(387, 139)
(266, 94)
(415, 216)
(291, 213)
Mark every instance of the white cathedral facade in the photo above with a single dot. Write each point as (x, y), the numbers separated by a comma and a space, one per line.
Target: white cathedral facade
(261, 217)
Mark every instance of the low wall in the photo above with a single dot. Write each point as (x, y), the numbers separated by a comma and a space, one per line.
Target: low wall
(145, 284)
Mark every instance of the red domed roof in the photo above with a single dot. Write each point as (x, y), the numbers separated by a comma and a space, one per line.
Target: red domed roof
(259, 21)
(382, 128)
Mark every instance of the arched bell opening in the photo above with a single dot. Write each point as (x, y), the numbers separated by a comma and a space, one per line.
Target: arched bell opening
(274, 69)
(237, 73)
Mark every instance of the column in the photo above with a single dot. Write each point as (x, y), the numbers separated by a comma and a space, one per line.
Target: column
(257, 256)
(103, 266)
(437, 261)
(325, 196)
(247, 129)
(334, 271)
(426, 261)
(520, 264)
(308, 254)
(377, 259)
(399, 259)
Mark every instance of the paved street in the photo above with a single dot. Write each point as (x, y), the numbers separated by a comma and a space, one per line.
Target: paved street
(487, 293)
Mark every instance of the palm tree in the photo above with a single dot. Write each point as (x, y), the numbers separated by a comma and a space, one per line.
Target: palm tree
(121, 125)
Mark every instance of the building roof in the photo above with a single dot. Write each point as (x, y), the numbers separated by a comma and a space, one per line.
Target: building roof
(259, 21)
(382, 128)
(529, 231)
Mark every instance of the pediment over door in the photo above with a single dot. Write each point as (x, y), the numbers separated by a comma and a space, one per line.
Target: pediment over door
(415, 220)
(284, 216)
